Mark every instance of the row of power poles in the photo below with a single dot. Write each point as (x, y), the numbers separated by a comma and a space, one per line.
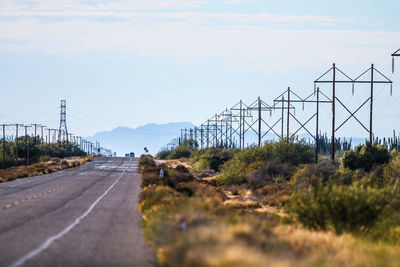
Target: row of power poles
(44, 135)
(229, 128)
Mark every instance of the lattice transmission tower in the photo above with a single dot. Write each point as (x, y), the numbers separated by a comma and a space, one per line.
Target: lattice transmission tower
(63, 132)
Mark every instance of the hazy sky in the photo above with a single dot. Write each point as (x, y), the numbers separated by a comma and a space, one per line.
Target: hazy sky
(129, 62)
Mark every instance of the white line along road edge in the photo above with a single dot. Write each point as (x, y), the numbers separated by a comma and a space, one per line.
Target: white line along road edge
(49, 241)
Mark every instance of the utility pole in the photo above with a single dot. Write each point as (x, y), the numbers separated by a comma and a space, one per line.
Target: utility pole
(240, 124)
(35, 125)
(26, 144)
(16, 141)
(282, 115)
(288, 115)
(333, 113)
(41, 138)
(216, 130)
(316, 129)
(63, 132)
(208, 133)
(4, 145)
(371, 104)
(395, 54)
(259, 121)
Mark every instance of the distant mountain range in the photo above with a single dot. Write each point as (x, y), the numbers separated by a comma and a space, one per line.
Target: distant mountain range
(153, 136)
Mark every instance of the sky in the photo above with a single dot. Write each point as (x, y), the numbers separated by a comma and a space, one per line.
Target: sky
(133, 62)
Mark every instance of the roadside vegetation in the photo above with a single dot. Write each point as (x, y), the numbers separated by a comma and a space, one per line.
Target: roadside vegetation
(31, 150)
(273, 205)
(44, 166)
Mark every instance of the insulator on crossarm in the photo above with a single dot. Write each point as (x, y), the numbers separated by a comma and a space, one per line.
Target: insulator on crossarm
(315, 88)
(392, 64)
(391, 89)
(352, 89)
(270, 112)
(303, 106)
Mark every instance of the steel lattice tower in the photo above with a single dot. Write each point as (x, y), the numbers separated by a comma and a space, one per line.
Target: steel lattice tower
(63, 132)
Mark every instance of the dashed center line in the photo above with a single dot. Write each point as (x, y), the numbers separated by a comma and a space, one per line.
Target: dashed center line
(35, 196)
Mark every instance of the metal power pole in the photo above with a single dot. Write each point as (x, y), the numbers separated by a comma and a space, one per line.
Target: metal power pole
(36, 139)
(259, 121)
(288, 115)
(63, 132)
(371, 104)
(216, 130)
(4, 145)
(283, 109)
(240, 124)
(16, 141)
(317, 129)
(395, 54)
(333, 113)
(26, 144)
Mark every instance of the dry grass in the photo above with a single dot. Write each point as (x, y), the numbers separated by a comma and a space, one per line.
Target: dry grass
(194, 223)
(173, 163)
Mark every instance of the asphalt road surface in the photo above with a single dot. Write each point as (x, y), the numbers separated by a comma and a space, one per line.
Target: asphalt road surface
(84, 216)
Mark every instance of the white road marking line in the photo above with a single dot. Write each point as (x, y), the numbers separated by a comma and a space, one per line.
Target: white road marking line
(49, 241)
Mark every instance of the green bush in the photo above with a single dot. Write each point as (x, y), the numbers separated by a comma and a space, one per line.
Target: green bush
(156, 196)
(252, 159)
(232, 173)
(344, 208)
(146, 160)
(163, 154)
(270, 172)
(44, 158)
(293, 153)
(315, 174)
(366, 157)
(212, 158)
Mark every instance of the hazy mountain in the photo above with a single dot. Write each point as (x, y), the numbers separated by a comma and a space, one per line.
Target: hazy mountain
(153, 136)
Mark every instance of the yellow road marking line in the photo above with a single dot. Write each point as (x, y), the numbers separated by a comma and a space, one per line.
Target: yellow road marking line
(38, 195)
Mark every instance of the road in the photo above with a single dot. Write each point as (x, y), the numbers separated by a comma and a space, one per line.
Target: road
(83, 216)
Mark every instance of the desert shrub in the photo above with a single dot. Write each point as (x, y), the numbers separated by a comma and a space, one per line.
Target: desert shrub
(64, 163)
(200, 165)
(343, 208)
(163, 154)
(173, 178)
(270, 172)
(44, 158)
(232, 173)
(314, 174)
(146, 160)
(391, 172)
(181, 151)
(40, 166)
(275, 194)
(293, 153)
(365, 157)
(156, 196)
(253, 159)
(181, 168)
(212, 158)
